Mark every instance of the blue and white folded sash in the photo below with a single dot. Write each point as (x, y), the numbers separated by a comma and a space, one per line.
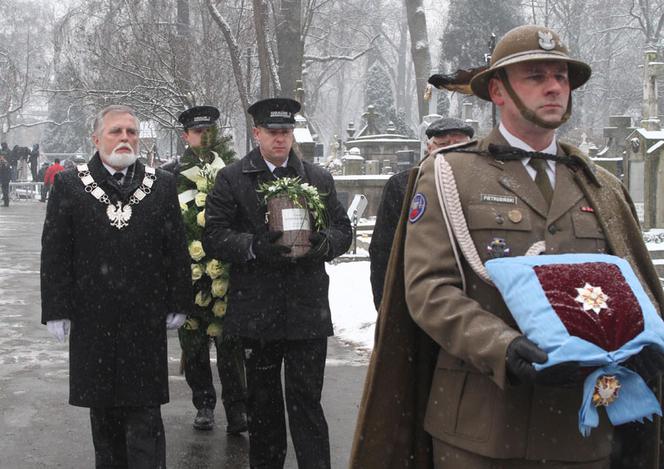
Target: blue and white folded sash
(591, 309)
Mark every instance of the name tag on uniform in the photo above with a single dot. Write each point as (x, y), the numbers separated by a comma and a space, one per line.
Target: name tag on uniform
(498, 199)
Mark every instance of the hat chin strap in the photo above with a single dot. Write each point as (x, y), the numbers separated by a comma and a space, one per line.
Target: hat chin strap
(528, 114)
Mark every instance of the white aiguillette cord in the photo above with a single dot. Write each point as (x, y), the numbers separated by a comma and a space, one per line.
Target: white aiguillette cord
(457, 227)
(119, 214)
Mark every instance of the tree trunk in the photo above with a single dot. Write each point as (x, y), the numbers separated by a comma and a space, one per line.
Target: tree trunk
(290, 46)
(260, 21)
(234, 51)
(182, 41)
(419, 47)
(400, 86)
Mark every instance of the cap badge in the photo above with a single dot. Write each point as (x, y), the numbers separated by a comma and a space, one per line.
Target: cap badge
(284, 114)
(201, 118)
(546, 40)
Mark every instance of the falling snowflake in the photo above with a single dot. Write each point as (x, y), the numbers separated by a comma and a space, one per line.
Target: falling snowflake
(592, 298)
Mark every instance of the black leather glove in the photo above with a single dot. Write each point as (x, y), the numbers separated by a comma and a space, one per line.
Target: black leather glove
(520, 356)
(265, 249)
(648, 363)
(566, 374)
(320, 247)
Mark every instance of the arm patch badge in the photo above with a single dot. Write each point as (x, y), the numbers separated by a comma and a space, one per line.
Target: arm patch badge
(417, 207)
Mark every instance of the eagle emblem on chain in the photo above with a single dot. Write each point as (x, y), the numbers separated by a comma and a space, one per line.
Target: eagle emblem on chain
(119, 215)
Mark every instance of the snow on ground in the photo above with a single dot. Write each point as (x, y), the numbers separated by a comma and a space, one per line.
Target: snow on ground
(654, 239)
(351, 301)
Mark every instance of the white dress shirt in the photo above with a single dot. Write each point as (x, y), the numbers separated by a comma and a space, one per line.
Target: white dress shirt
(552, 149)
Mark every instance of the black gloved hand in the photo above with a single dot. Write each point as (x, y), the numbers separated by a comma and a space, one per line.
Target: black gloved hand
(564, 374)
(265, 249)
(320, 246)
(520, 356)
(648, 363)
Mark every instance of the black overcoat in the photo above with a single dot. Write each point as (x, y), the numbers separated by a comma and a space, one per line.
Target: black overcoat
(387, 220)
(270, 301)
(115, 285)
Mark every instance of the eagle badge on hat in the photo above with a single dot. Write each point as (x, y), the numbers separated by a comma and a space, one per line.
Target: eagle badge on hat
(546, 40)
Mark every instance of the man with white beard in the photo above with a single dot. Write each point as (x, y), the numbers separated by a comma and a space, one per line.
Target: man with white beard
(115, 272)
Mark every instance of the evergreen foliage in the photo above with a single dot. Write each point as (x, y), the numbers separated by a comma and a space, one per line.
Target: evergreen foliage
(468, 30)
(378, 92)
(443, 103)
(211, 141)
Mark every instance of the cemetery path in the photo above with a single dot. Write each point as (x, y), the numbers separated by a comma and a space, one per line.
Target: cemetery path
(39, 429)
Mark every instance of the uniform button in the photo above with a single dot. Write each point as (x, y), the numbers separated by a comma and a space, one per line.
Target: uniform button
(553, 229)
(499, 219)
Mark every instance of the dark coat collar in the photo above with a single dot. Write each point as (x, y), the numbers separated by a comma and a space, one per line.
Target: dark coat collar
(135, 173)
(254, 163)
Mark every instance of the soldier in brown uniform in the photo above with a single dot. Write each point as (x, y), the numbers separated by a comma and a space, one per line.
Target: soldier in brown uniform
(486, 406)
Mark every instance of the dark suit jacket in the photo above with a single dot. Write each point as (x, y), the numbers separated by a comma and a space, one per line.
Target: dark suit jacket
(286, 300)
(387, 219)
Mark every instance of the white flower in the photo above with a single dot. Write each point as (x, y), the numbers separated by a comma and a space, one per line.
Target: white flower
(200, 199)
(203, 299)
(214, 330)
(200, 218)
(183, 208)
(214, 268)
(196, 271)
(592, 298)
(219, 308)
(196, 250)
(202, 184)
(219, 287)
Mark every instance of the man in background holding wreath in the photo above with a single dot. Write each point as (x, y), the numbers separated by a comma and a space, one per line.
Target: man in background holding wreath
(195, 174)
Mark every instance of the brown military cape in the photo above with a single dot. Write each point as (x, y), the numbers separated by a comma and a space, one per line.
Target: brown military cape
(389, 433)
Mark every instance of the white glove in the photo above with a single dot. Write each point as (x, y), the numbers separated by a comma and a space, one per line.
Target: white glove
(59, 328)
(175, 320)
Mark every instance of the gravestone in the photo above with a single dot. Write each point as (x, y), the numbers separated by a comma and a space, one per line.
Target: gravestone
(386, 167)
(422, 130)
(372, 167)
(645, 179)
(405, 160)
(467, 116)
(353, 163)
(617, 131)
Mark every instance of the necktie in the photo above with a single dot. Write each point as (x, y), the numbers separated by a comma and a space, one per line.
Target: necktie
(118, 177)
(542, 179)
(282, 172)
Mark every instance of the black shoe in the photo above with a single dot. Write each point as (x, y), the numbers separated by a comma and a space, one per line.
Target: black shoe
(204, 419)
(237, 419)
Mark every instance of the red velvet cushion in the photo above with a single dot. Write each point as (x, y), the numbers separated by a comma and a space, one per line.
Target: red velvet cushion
(615, 324)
